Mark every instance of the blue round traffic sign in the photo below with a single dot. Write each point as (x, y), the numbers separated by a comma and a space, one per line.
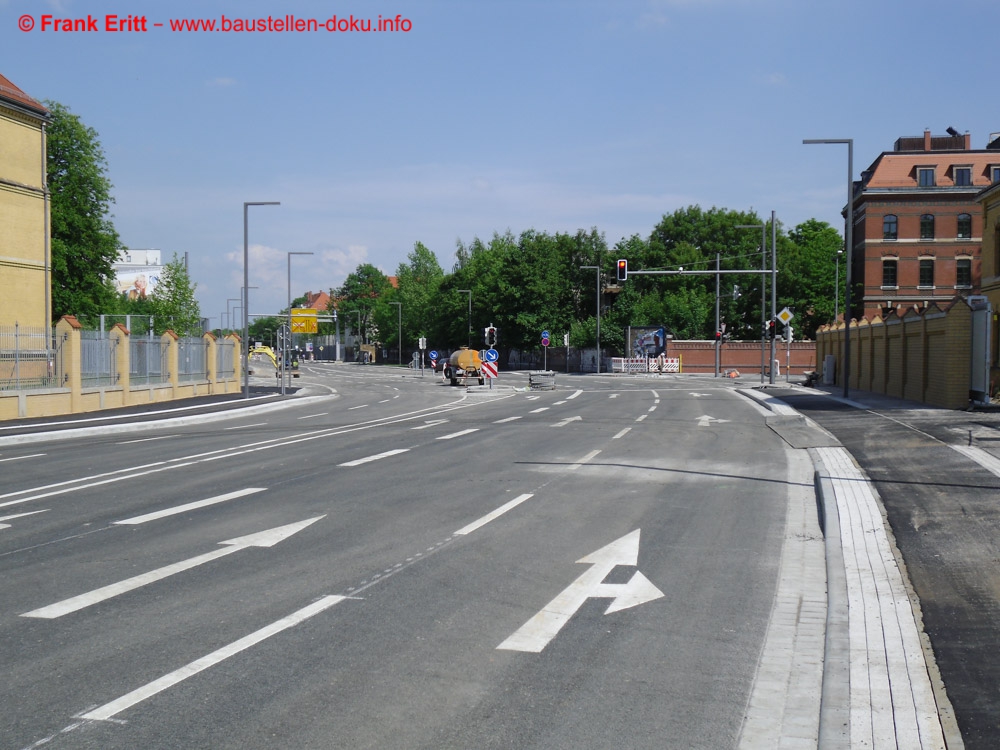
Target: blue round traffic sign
(433, 354)
(545, 334)
(492, 355)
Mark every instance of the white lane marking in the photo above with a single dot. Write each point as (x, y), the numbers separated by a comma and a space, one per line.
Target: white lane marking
(575, 394)
(531, 398)
(536, 411)
(494, 515)
(357, 407)
(656, 400)
(376, 457)
(987, 460)
(613, 395)
(508, 419)
(430, 423)
(311, 416)
(145, 440)
(537, 632)
(156, 515)
(18, 515)
(18, 458)
(567, 421)
(458, 434)
(244, 426)
(652, 408)
(582, 461)
(385, 401)
(639, 419)
(267, 538)
(655, 394)
(622, 433)
(108, 710)
(558, 403)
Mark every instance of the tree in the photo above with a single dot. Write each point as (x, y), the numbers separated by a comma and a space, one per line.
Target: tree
(359, 296)
(419, 283)
(84, 241)
(808, 275)
(173, 301)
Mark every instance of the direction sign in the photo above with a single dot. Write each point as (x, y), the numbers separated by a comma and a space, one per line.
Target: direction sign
(545, 334)
(489, 369)
(785, 315)
(492, 355)
(433, 354)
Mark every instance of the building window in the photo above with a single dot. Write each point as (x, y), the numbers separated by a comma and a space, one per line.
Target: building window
(963, 176)
(994, 174)
(889, 227)
(963, 273)
(927, 227)
(925, 176)
(889, 274)
(964, 227)
(926, 273)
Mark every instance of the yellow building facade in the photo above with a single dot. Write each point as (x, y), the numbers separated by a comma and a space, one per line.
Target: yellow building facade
(24, 211)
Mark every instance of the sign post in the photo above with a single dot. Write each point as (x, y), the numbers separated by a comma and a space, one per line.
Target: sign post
(545, 350)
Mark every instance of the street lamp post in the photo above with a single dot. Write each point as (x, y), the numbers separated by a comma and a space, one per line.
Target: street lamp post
(468, 324)
(229, 317)
(399, 308)
(290, 254)
(849, 243)
(763, 287)
(836, 287)
(246, 291)
(597, 269)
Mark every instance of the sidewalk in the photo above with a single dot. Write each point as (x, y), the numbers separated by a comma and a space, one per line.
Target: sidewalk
(915, 491)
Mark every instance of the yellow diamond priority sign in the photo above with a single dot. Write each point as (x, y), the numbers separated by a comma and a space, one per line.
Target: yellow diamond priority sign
(785, 315)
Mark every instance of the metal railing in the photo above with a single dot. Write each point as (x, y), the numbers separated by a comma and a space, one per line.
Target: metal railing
(146, 362)
(192, 359)
(97, 359)
(29, 358)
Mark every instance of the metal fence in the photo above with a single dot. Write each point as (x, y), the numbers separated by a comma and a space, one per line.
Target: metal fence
(192, 359)
(225, 359)
(29, 358)
(146, 362)
(97, 359)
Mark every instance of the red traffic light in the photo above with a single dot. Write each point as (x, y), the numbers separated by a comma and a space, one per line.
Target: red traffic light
(622, 269)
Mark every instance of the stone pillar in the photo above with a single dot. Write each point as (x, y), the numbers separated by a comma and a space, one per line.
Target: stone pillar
(68, 334)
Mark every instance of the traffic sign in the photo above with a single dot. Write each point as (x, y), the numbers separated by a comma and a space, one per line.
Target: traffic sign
(545, 334)
(545, 341)
(433, 354)
(785, 315)
(489, 369)
(492, 355)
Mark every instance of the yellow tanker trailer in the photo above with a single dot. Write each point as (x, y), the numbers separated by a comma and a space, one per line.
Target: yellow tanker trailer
(463, 365)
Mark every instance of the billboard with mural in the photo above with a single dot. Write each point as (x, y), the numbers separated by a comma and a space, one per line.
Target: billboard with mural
(136, 285)
(648, 342)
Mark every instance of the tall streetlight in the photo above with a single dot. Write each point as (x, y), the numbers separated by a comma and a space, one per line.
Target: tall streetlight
(246, 291)
(399, 306)
(836, 287)
(849, 243)
(468, 325)
(229, 317)
(763, 287)
(598, 274)
(290, 254)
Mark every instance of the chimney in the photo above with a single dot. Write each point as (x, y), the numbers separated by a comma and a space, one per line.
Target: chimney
(927, 139)
(968, 141)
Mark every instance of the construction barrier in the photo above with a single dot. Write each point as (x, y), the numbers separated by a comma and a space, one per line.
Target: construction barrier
(645, 364)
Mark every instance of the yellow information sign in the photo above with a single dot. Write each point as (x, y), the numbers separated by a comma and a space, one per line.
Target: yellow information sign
(304, 320)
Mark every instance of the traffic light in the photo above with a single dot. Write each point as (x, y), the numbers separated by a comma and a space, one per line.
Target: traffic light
(491, 336)
(771, 328)
(622, 270)
(718, 336)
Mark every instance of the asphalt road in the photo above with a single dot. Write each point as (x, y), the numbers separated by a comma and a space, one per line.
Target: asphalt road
(589, 567)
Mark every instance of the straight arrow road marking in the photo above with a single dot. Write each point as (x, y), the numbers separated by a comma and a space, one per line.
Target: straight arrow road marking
(190, 506)
(537, 632)
(108, 710)
(376, 457)
(567, 421)
(705, 421)
(267, 538)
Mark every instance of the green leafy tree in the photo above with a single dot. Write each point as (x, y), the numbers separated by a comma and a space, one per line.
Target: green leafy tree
(359, 297)
(419, 282)
(84, 241)
(173, 301)
(808, 274)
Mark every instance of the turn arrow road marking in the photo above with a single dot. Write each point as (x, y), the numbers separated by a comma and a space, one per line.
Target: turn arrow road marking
(536, 633)
(704, 420)
(267, 538)
(567, 421)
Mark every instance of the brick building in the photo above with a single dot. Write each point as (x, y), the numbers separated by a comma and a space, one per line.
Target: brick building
(918, 226)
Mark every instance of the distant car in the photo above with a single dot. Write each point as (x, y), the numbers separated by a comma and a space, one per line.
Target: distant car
(440, 363)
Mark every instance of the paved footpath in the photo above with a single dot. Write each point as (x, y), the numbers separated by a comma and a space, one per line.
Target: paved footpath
(918, 567)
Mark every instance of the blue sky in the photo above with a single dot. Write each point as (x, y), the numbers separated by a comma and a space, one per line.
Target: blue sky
(488, 116)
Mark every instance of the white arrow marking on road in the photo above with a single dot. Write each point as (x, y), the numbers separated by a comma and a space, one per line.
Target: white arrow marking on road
(267, 538)
(567, 421)
(699, 395)
(536, 633)
(704, 420)
(429, 423)
(18, 515)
